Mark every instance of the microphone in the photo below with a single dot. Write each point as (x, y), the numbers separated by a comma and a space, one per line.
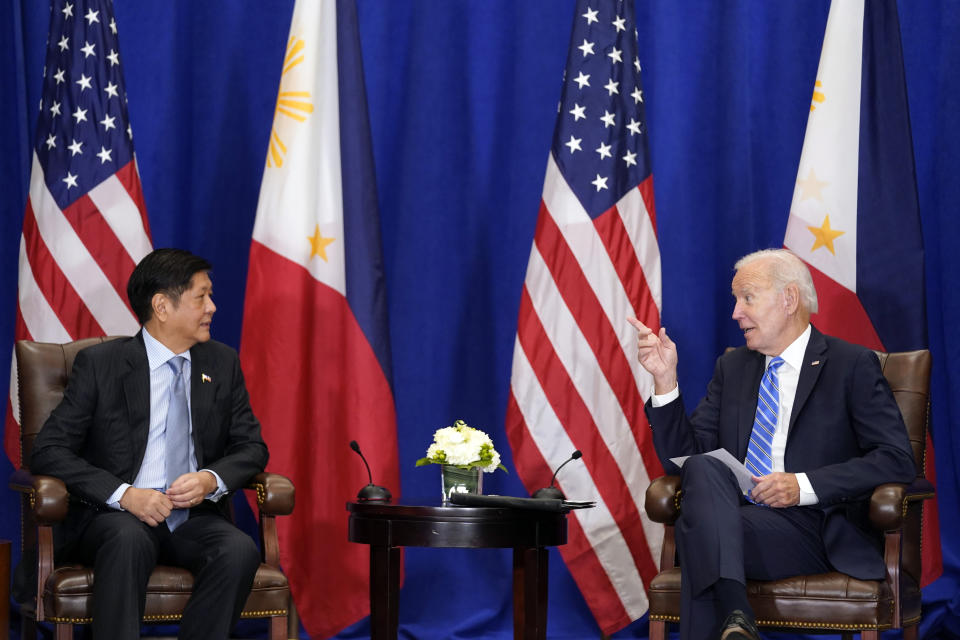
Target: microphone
(553, 492)
(371, 492)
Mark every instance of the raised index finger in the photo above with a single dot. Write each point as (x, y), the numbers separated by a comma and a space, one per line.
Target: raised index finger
(639, 326)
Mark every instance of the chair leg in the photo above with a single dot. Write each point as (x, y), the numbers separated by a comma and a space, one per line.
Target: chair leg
(28, 628)
(847, 635)
(293, 620)
(910, 633)
(658, 630)
(869, 634)
(278, 628)
(63, 631)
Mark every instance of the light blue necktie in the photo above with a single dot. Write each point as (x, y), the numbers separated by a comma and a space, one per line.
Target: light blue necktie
(177, 436)
(760, 450)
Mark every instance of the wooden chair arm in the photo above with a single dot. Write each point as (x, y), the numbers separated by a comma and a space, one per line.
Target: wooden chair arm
(48, 500)
(889, 502)
(663, 499)
(48, 495)
(275, 497)
(275, 493)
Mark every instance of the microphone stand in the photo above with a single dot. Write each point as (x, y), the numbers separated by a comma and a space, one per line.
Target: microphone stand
(371, 492)
(551, 492)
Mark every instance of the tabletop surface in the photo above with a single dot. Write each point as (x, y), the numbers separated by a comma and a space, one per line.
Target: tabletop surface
(427, 522)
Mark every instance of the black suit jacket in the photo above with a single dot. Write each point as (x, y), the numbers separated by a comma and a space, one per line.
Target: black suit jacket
(846, 433)
(97, 436)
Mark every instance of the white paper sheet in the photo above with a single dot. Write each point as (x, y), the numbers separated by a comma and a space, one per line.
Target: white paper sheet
(744, 477)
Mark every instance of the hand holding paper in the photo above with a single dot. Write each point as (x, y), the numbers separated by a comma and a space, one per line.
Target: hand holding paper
(777, 489)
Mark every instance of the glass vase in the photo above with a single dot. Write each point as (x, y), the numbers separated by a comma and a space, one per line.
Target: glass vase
(456, 479)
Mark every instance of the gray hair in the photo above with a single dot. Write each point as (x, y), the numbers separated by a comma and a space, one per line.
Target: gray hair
(785, 268)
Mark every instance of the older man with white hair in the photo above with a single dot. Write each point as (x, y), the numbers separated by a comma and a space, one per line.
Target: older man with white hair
(814, 421)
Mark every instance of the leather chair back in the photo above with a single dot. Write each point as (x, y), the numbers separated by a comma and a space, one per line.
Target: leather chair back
(908, 373)
(43, 369)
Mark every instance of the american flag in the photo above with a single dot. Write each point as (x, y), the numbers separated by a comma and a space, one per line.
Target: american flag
(85, 225)
(576, 382)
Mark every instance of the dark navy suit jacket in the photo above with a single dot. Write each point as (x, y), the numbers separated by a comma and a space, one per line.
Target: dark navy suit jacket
(97, 436)
(846, 433)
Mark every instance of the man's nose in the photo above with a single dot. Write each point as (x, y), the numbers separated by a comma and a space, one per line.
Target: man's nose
(737, 312)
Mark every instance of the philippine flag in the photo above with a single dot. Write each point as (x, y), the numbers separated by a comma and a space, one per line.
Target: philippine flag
(855, 217)
(314, 346)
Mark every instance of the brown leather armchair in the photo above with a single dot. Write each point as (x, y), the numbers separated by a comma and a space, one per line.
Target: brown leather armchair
(831, 602)
(64, 591)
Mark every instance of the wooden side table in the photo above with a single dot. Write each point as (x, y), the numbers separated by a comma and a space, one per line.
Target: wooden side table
(387, 527)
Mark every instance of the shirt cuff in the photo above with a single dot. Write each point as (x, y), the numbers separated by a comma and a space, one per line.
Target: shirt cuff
(665, 398)
(807, 495)
(114, 500)
(221, 489)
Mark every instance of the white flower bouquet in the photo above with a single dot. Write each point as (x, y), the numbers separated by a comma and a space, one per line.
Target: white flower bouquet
(464, 447)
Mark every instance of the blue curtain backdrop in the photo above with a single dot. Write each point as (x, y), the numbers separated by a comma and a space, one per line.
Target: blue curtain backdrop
(463, 96)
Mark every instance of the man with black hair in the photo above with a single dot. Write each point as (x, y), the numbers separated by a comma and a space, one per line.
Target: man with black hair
(153, 434)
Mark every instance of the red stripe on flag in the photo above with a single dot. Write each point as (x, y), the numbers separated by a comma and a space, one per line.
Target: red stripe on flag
(11, 437)
(60, 294)
(931, 550)
(130, 179)
(11, 432)
(844, 316)
(102, 243)
(592, 579)
(526, 454)
(315, 384)
(573, 413)
(623, 255)
(578, 553)
(590, 317)
(646, 192)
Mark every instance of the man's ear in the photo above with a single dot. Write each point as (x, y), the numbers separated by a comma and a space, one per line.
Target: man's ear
(791, 298)
(161, 306)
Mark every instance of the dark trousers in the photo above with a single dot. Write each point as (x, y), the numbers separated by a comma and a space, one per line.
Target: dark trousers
(721, 535)
(123, 551)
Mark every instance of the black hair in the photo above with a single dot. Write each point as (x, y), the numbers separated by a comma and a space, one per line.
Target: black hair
(166, 271)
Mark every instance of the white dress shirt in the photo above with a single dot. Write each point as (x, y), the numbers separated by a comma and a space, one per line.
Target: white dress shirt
(789, 377)
(152, 473)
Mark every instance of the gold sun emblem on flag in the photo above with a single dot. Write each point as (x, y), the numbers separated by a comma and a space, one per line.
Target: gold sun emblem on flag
(293, 104)
(818, 96)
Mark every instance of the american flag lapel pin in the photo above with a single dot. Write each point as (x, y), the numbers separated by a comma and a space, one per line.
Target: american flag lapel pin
(814, 363)
(205, 378)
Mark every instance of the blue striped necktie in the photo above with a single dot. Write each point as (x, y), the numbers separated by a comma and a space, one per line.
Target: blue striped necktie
(760, 450)
(177, 436)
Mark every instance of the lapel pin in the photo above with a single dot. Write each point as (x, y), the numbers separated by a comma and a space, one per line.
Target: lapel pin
(205, 378)
(814, 363)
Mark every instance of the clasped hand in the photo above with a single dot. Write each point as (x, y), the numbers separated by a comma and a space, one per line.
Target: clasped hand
(777, 489)
(153, 507)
